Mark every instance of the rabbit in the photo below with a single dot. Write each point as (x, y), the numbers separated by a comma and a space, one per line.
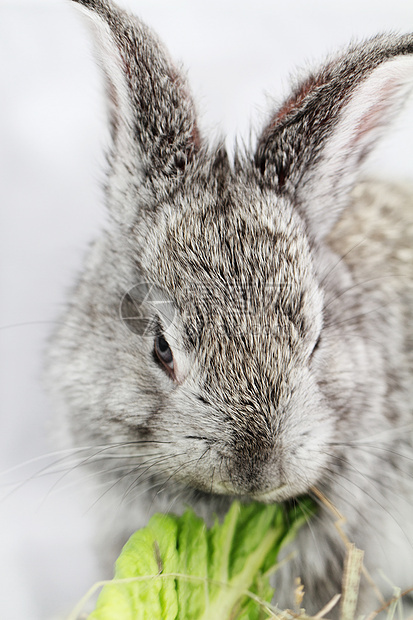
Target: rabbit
(242, 327)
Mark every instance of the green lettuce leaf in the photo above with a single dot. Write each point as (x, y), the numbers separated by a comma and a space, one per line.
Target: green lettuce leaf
(177, 569)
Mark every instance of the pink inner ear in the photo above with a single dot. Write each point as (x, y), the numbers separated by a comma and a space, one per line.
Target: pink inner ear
(376, 115)
(195, 138)
(294, 102)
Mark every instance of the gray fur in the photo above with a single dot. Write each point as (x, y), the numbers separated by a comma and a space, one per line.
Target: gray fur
(288, 296)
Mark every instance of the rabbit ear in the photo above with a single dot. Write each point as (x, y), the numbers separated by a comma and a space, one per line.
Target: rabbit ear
(152, 116)
(312, 147)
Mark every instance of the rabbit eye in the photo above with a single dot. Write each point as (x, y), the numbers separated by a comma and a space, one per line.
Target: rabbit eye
(164, 353)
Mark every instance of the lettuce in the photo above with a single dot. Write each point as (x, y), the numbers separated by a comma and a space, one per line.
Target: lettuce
(177, 568)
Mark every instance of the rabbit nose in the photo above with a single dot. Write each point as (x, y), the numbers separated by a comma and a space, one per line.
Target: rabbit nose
(255, 469)
(257, 481)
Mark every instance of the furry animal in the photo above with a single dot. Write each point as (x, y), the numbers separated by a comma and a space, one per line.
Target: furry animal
(244, 329)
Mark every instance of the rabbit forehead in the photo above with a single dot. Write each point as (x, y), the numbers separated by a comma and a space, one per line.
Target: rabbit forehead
(233, 242)
(239, 231)
(240, 272)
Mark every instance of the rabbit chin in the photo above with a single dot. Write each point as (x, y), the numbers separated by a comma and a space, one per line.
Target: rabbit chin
(265, 494)
(278, 494)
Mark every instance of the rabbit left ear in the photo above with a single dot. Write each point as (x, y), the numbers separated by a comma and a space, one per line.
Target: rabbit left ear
(152, 117)
(312, 148)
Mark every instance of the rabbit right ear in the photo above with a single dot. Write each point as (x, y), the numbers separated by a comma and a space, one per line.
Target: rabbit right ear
(152, 118)
(312, 148)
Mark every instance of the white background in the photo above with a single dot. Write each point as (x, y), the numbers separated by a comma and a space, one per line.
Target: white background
(52, 136)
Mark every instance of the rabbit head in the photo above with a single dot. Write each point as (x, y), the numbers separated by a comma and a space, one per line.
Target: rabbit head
(205, 340)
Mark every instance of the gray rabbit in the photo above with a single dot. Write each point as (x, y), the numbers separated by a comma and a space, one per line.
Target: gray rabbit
(244, 328)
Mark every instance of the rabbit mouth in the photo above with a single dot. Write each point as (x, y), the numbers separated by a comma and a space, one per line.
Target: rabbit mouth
(276, 494)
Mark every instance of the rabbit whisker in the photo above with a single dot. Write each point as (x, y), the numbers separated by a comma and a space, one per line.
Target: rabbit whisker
(156, 463)
(336, 474)
(120, 479)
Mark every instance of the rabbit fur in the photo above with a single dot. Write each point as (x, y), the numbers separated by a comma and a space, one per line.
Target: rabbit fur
(244, 328)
